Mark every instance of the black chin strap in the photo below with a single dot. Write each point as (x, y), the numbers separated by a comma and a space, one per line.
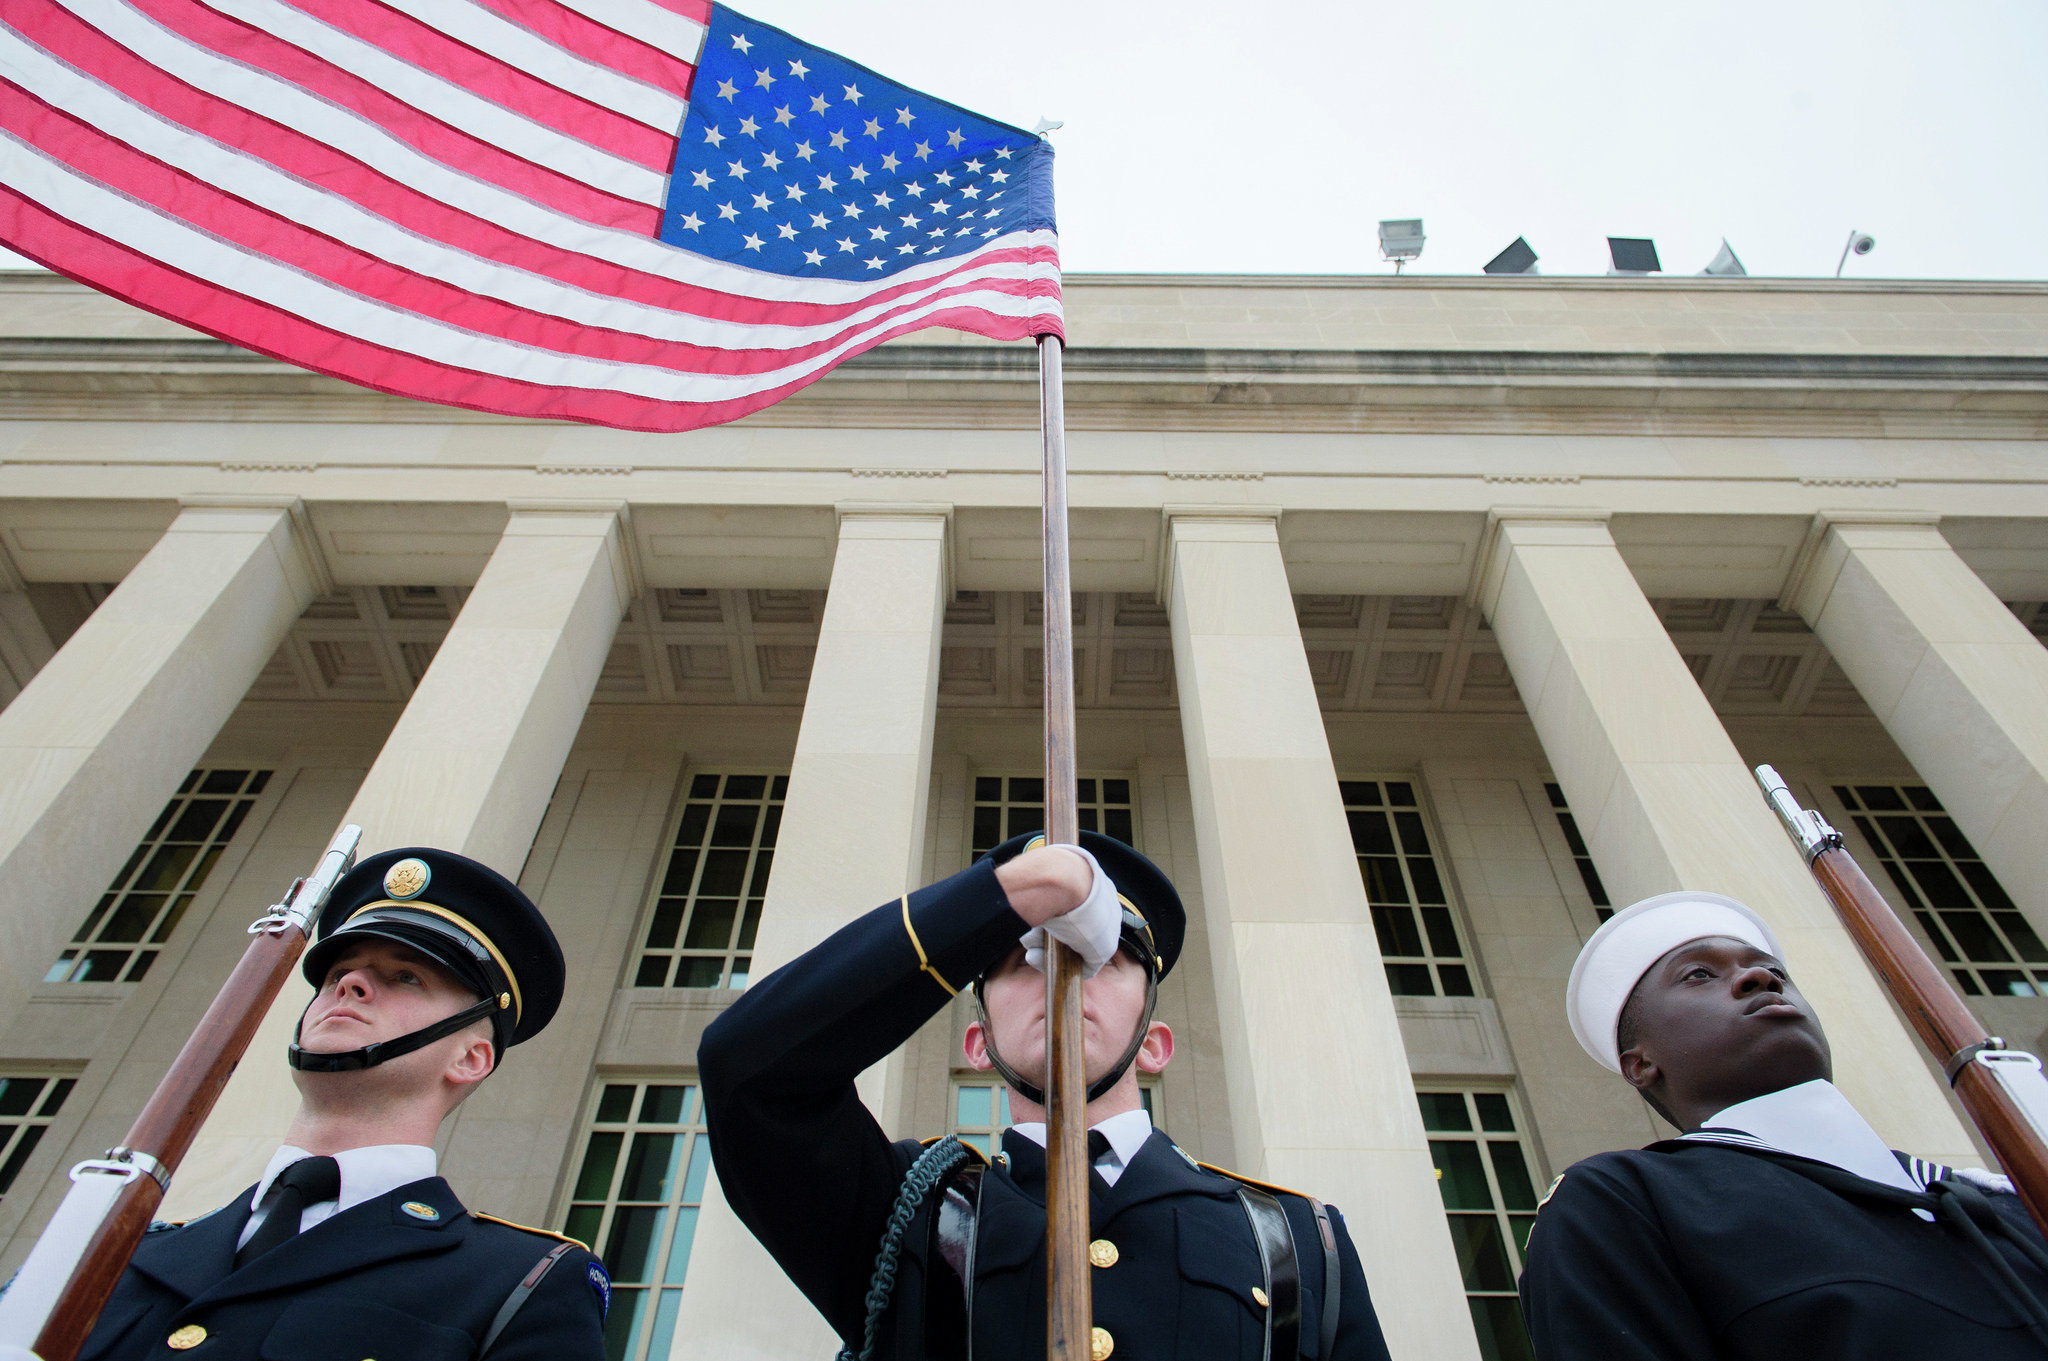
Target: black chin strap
(1036, 1094)
(370, 1055)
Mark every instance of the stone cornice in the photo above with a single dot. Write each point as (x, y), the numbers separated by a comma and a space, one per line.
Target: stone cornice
(1109, 388)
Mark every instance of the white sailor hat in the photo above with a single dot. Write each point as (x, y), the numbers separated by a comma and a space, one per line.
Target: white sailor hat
(1629, 942)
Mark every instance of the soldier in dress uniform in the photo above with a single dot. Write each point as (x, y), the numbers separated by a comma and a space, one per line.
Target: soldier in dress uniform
(1778, 1224)
(429, 966)
(1187, 1261)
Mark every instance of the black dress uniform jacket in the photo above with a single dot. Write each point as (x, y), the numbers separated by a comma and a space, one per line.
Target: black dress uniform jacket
(371, 1282)
(806, 1167)
(1687, 1251)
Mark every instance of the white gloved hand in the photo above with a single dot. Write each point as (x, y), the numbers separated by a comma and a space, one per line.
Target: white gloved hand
(1091, 930)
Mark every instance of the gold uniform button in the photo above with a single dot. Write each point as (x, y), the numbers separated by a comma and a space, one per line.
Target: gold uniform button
(1100, 1344)
(1260, 1296)
(1102, 1252)
(186, 1338)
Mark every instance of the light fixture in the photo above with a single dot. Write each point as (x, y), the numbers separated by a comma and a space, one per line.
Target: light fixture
(1633, 255)
(1401, 240)
(1518, 258)
(1724, 262)
(1859, 243)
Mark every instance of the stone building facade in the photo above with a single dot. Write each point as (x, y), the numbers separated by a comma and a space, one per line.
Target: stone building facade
(1418, 622)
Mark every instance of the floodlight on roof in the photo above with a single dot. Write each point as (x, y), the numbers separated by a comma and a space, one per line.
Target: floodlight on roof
(1518, 258)
(1633, 255)
(1860, 243)
(1401, 240)
(1724, 262)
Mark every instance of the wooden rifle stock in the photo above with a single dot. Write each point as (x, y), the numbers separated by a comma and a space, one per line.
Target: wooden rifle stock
(1069, 1302)
(163, 1132)
(1991, 1081)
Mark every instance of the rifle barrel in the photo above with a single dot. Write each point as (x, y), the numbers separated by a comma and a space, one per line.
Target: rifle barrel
(1995, 1085)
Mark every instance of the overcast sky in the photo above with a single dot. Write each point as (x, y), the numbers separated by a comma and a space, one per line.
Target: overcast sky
(1272, 138)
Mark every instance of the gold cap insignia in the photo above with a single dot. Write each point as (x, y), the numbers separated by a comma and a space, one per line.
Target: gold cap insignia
(408, 878)
(421, 1210)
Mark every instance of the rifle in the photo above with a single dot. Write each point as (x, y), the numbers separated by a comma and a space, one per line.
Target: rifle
(71, 1272)
(2002, 1089)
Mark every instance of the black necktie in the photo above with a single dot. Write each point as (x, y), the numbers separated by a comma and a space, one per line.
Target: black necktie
(1098, 1146)
(306, 1182)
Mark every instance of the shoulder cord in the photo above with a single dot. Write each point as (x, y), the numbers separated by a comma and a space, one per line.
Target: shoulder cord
(931, 1166)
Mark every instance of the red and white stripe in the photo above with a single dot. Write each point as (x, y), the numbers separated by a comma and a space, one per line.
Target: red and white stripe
(453, 200)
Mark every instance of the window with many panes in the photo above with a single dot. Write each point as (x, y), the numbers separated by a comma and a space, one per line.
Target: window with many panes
(981, 1109)
(1581, 857)
(1988, 946)
(635, 1204)
(1489, 1195)
(1410, 912)
(1011, 805)
(124, 933)
(707, 908)
(28, 1102)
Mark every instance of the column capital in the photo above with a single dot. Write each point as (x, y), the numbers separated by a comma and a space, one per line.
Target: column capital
(303, 538)
(1818, 562)
(627, 575)
(1224, 521)
(874, 520)
(1585, 525)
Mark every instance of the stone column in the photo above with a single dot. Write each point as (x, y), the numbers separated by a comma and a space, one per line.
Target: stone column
(100, 738)
(1320, 1097)
(1959, 683)
(1666, 802)
(468, 768)
(852, 838)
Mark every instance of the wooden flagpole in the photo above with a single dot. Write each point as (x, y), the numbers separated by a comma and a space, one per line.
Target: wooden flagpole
(1068, 1311)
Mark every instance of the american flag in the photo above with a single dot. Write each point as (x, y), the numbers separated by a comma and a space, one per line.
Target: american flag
(650, 214)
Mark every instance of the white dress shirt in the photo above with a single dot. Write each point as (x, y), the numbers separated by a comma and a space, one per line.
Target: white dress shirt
(1126, 1133)
(366, 1173)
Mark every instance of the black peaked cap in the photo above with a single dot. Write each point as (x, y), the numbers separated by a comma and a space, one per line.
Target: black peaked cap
(458, 912)
(1141, 883)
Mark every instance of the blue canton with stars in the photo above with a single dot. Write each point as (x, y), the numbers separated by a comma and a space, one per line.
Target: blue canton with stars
(799, 162)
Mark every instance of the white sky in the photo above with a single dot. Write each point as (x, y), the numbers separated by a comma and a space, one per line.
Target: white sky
(1224, 138)
(1271, 138)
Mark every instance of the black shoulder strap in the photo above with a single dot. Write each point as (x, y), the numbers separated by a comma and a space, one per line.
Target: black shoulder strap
(955, 1230)
(1283, 1272)
(1333, 1278)
(520, 1294)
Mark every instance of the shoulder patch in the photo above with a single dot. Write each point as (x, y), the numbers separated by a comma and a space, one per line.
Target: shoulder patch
(1249, 1181)
(528, 1228)
(602, 1284)
(1556, 1182)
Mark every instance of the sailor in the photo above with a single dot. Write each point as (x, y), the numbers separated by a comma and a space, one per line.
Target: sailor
(429, 966)
(1186, 1261)
(1778, 1223)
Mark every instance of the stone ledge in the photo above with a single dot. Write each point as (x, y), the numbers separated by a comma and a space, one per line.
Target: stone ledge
(949, 386)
